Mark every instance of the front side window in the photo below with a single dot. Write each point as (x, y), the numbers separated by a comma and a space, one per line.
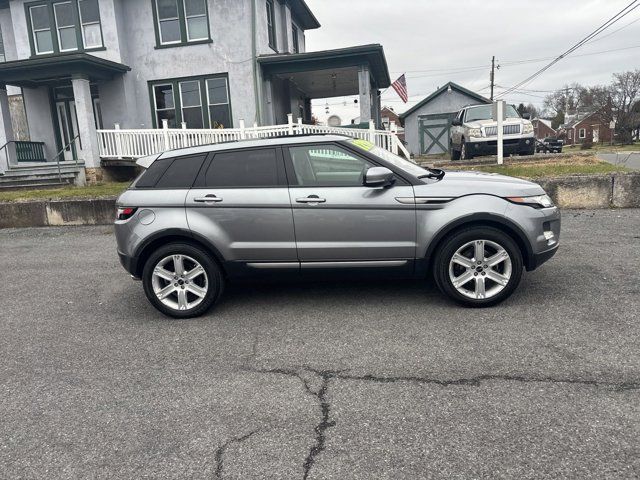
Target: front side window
(41, 29)
(181, 22)
(327, 166)
(295, 39)
(90, 23)
(165, 108)
(244, 168)
(200, 102)
(271, 24)
(64, 26)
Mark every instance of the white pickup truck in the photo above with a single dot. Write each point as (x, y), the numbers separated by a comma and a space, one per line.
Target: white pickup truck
(474, 132)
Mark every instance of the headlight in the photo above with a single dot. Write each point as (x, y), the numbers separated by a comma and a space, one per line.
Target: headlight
(537, 201)
(527, 128)
(475, 132)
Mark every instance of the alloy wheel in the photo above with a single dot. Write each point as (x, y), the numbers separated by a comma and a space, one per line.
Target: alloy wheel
(179, 282)
(480, 269)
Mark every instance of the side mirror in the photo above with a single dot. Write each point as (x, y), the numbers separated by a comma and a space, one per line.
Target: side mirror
(378, 177)
(526, 116)
(456, 122)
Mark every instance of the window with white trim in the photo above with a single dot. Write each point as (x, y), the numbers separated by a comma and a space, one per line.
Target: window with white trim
(58, 26)
(582, 133)
(200, 102)
(180, 22)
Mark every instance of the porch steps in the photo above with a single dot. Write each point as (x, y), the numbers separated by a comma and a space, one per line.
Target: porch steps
(33, 176)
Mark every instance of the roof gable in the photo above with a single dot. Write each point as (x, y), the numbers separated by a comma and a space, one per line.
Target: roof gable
(444, 88)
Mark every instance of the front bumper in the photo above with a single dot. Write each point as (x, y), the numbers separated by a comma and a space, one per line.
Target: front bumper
(509, 146)
(539, 258)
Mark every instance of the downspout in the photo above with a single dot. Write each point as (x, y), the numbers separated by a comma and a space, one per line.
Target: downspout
(254, 55)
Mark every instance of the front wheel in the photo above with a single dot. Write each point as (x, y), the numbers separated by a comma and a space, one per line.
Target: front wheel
(464, 153)
(182, 280)
(478, 266)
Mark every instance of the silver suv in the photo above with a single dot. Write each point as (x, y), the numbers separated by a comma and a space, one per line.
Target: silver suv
(305, 206)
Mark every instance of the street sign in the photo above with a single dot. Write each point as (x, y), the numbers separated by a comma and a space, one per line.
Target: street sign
(612, 124)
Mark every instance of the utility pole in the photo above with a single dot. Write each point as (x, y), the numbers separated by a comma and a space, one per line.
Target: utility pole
(492, 76)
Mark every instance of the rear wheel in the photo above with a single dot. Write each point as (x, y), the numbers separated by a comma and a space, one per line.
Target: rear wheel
(182, 280)
(478, 266)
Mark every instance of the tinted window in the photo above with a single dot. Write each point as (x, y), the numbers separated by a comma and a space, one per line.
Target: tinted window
(327, 165)
(246, 168)
(153, 173)
(181, 173)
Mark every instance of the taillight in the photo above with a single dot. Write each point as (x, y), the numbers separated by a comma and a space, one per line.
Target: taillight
(125, 213)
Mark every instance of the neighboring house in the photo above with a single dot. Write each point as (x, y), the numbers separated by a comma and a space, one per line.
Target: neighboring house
(84, 65)
(427, 124)
(542, 128)
(591, 126)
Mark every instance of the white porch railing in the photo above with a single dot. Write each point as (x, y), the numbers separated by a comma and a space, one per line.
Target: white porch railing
(122, 144)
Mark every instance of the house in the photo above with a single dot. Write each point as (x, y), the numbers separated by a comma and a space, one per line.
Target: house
(542, 128)
(427, 124)
(592, 127)
(85, 65)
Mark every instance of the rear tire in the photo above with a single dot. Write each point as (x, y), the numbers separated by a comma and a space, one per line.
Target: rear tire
(182, 280)
(459, 275)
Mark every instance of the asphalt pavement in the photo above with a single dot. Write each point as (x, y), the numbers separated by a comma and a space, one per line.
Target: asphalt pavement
(628, 159)
(347, 380)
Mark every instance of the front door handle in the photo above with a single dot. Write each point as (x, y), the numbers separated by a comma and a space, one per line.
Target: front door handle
(311, 199)
(211, 198)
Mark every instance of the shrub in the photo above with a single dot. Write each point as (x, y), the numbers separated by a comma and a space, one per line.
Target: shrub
(587, 144)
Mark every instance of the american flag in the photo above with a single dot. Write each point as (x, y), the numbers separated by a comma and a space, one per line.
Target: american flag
(400, 86)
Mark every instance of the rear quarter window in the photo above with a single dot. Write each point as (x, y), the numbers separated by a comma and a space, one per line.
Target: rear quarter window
(177, 172)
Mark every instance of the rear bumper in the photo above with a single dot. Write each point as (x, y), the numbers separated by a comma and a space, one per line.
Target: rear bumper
(130, 264)
(510, 145)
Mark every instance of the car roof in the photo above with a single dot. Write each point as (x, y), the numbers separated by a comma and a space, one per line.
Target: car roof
(234, 145)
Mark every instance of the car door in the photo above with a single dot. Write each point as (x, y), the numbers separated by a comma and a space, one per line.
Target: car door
(240, 203)
(338, 221)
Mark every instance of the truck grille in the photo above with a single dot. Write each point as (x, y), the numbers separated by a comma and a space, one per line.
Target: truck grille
(506, 130)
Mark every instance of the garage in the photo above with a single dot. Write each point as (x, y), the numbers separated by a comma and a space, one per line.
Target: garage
(427, 123)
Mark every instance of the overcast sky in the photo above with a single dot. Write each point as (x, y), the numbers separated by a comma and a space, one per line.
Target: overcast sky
(434, 41)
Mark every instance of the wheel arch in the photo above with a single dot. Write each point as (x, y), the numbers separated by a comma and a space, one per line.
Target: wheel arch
(482, 220)
(149, 245)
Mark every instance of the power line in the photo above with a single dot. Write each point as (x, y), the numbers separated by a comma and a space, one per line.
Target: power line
(617, 17)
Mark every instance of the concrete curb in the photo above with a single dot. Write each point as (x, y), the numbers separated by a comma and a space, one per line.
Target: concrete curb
(43, 213)
(617, 190)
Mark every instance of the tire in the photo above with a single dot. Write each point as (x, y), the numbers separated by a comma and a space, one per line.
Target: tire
(462, 243)
(464, 153)
(196, 294)
(455, 154)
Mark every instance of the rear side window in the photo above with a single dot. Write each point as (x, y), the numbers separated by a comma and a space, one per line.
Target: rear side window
(152, 174)
(244, 168)
(181, 173)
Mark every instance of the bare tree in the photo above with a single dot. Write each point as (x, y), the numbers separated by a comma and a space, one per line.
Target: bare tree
(625, 93)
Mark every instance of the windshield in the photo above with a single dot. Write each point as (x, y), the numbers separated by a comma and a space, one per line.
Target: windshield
(402, 163)
(483, 112)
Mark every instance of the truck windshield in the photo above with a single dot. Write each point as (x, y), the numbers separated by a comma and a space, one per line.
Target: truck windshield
(483, 112)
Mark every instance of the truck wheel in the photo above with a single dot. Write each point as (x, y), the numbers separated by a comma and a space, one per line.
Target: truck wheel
(455, 154)
(464, 153)
(182, 280)
(478, 266)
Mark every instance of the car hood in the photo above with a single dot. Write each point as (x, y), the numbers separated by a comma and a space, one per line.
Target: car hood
(457, 184)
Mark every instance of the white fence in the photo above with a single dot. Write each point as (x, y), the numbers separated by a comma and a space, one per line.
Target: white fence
(119, 143)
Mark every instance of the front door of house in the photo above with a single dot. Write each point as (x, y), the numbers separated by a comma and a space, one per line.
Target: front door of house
(596, 135)
(67, 126)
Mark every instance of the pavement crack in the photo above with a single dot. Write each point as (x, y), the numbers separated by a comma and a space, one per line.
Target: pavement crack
(222, 449)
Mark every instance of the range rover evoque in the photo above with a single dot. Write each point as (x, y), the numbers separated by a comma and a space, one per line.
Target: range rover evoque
(307, 206)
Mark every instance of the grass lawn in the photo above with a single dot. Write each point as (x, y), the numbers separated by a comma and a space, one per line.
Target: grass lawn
(548, 167)
(635, 147)
(71, 192)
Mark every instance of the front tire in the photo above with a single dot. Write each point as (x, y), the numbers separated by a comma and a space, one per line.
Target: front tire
(464, 153)
(182, 280)
(455, 154)
(478, 266)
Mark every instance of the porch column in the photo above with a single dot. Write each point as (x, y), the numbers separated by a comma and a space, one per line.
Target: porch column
(6, 130)
(86, 126)
(364, 89)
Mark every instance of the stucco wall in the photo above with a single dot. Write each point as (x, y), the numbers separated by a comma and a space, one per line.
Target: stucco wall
(38, 109)
(444, 103)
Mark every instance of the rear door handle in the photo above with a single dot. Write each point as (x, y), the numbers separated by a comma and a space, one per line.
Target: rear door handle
(311, 199)
(211, 198)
